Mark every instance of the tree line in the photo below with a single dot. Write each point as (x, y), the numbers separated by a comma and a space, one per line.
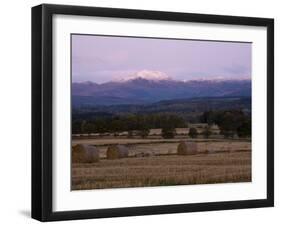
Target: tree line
(230, 123)
(130, 122)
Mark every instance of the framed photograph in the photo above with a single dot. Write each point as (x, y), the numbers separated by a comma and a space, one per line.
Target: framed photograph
(145, 112)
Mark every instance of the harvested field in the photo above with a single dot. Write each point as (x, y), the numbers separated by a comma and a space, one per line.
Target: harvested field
(167, 146)
(217, 162)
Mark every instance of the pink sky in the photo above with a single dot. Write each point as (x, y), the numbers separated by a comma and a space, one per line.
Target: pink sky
(105, 58)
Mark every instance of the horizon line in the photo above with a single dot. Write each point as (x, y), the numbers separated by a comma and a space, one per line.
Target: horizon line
(170, 79)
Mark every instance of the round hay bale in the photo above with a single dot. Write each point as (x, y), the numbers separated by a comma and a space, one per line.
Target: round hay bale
(187, 148)
(82, 153)
(117, 152)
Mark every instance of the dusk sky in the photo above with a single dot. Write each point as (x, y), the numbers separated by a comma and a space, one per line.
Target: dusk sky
(102, 58)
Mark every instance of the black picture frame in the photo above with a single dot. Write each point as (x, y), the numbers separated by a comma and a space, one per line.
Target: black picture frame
(42, 111)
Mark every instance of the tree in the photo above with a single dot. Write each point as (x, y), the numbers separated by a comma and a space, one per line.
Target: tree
(245, 129)
(144, 132)
(83, 125)
(130, 134)
(76, 127)
(89, 127)
(208, 117)
(207, 132)
(227, 133)
(116, 126)
(168, 132)
(193, 132)
(101, 126)
(229, 121)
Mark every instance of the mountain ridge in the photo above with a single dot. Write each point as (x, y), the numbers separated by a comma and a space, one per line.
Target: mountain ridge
(140, 90)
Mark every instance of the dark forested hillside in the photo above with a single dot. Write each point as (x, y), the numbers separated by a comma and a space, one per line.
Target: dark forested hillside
(189, 109)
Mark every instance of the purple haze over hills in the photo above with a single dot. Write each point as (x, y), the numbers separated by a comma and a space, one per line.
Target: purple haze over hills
(142, 91)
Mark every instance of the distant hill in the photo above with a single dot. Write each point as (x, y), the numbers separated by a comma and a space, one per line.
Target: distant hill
(143, 91)
(188, 109)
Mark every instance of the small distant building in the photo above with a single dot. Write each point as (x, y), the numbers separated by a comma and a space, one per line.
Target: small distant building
(215, 129)
(125, 133)
(155, 132)
(182, 131)
(200, 127)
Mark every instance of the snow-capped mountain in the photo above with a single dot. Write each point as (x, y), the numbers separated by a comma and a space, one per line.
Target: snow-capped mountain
(148, 87)
(146, 74)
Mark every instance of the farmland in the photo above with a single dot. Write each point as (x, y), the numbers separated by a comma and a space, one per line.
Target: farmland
(143, 141)
(154, 162)
(176, 115)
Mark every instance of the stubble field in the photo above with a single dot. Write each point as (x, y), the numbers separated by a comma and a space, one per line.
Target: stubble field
(155, 163)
